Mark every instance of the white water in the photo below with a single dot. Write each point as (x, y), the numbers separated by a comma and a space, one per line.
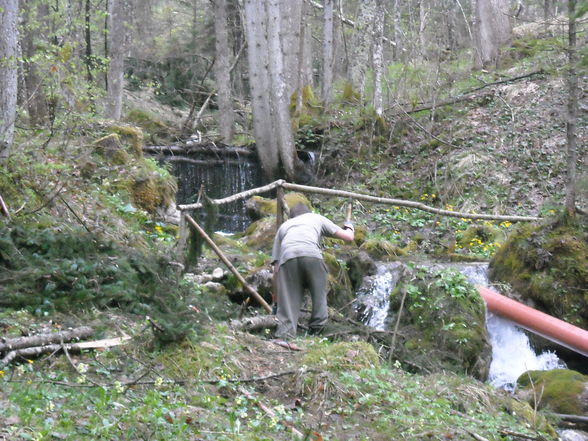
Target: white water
(512, 354)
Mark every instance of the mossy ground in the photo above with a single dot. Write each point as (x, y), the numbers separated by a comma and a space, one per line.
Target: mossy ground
(215, 385)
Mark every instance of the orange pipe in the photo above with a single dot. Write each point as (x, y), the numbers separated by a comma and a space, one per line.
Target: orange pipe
(535, 321)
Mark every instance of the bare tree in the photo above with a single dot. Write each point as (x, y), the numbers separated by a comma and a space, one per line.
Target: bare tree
(34, 95)
(361, 44)
(492, 29)
(222, 68)
(378, 55)
(117, 47)
(279, 97)
(8, 74)
(572, 116)
(259, 83)
(328, 51)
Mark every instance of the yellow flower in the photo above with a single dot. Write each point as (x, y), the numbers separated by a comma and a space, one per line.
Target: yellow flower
(1, 373)
(29, 361)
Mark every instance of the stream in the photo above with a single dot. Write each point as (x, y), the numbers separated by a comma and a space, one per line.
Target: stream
(512, 353)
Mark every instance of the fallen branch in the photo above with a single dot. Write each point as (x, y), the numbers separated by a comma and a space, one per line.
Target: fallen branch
(270, 412)
(4, 208)
(578, 419)
(521, 435)
(12, 344)
(31, 352)
(229, 265)
(254, 323)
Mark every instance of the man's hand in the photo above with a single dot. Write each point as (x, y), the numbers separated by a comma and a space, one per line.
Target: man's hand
(348, 226)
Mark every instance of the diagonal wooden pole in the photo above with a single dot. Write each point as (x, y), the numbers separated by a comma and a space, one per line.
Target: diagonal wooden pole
(229, 265)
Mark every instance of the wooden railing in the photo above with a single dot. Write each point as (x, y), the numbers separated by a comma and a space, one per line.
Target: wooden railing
(280, 185)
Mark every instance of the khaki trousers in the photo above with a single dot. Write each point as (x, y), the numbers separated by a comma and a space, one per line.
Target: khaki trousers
(294, 277)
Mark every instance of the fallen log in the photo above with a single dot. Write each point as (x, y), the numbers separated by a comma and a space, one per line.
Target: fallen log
(31, 352)
(254, 323)
(12, 344)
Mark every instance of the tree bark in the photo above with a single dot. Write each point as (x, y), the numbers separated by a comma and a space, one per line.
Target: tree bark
(291, 43)
(492, 30)
(378, 56)
(259, 82)
(36, 101)
(117, 42)
(572, 116)
(12, 344)
(8, 74)
(328, 51)
(222, 68)
(361, 44)
(279, 90)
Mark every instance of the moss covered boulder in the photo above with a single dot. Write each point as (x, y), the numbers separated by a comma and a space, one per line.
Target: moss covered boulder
(547, 265)
(561, 390)
(442, 323)
(258, 207)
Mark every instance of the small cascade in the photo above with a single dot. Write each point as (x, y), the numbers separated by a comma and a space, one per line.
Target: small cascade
(222, 171)
(373, 297)
(512, 353)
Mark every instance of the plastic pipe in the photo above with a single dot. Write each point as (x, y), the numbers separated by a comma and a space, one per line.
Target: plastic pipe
(538, 322)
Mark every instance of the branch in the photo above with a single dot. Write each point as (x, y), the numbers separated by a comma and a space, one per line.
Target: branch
(229, 265)
(362, 197)
(254, 323)
(12, 344)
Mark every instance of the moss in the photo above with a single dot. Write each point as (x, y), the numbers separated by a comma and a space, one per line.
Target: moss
(444, 314)
(342, 356)
(523, 411)
(540, 259)
(111, 148)
(134, 135)
(259, 207)
(382, 249)
(559, 389)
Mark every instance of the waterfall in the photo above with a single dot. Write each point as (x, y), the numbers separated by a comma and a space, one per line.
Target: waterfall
(222, 172)
(512, 354)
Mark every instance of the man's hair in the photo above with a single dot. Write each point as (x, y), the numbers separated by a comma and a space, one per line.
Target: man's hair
(298, 209)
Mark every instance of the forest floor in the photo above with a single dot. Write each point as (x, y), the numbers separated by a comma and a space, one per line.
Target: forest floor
(501, 152)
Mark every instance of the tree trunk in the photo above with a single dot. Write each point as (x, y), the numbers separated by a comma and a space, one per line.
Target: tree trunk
(8, 74)
(328, 52)
(34, 95)
(117, 37)
(378, 56)
(397, 30)
(259, 83)
(290, 42)
(492, 30)
(305, 78)
(361, 44)
(279, 89)
(572, 117)
(226, 115)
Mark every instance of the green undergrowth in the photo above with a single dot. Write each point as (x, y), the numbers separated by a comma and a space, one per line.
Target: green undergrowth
(233, 386)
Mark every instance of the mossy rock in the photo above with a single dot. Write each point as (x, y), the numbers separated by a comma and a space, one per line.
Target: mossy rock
(150, 190)
(382, 249)
(134, 135)
(340, 292)
(260, 234)
(258, 207)
(111, 148)
(562, 390)
(526, 413)
(443, 323)
(538, 260)
(155, 129)
(341, 356)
